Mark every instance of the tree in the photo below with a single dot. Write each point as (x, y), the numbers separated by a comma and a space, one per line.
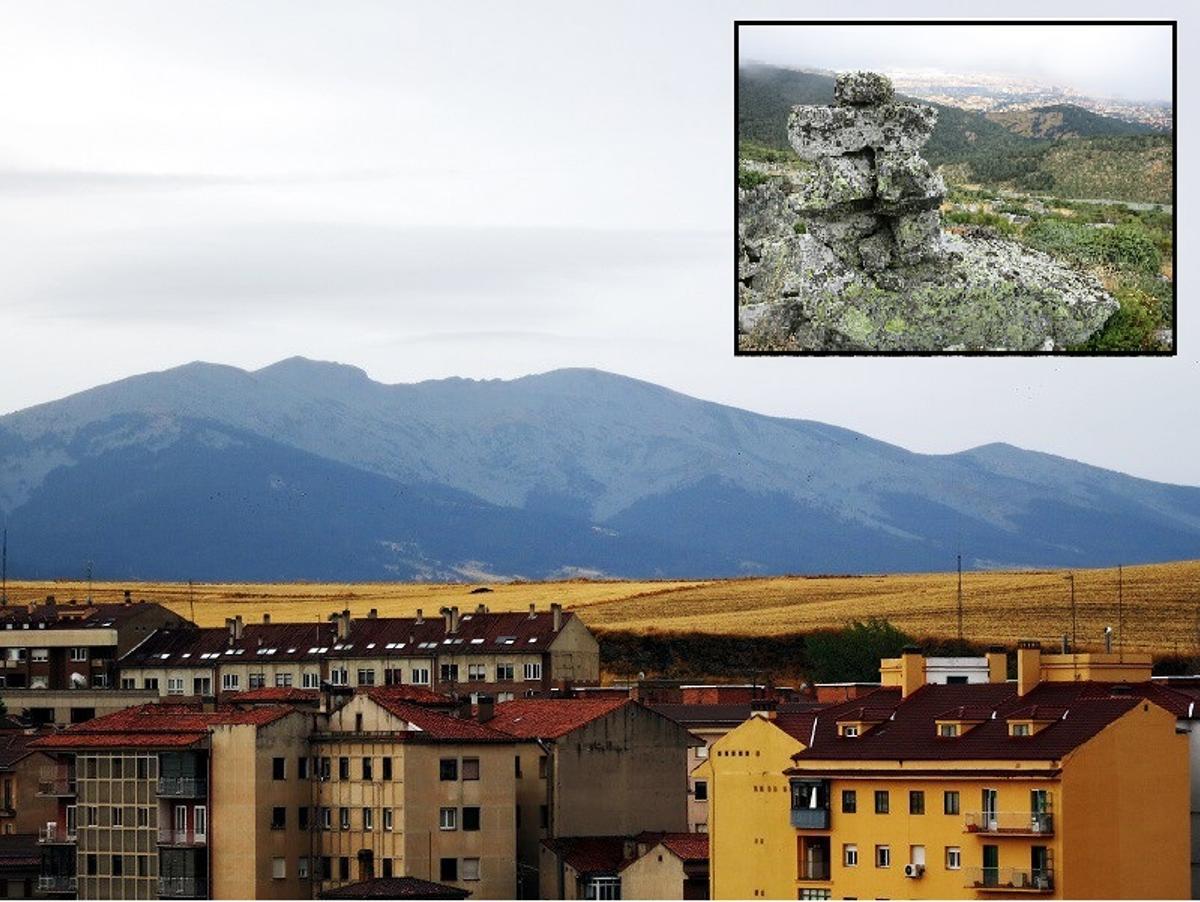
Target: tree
(853, 653)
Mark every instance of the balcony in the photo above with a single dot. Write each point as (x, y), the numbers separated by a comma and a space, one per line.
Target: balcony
(1010, 880)
(55, 834)
(183, 787)
(1010, 823)
(56, 783)
(810, 818)
(57, 883)
(814, 870)
(181, 838)
(182, 888)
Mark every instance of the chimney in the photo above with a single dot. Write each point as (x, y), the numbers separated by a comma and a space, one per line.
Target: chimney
(532, 611)
(51, 606)
(343, 626)
(766, 708)
(128, 597)
(487, 707)
(454, 619)
(445, 612)
(237, 627)
(420, 616)
(556, 610)
(481, 608)
(997, 661)
(373, 614)
(912, 670)
(1029, 665)
(266, 617)
(230, 628)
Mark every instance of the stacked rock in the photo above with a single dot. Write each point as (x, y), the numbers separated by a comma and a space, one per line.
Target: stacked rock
(871, 198)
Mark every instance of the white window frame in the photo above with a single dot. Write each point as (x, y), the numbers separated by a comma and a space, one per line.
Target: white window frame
(387, 820)
(200, 821)
(339, 676)
(310, 680)
(39, 655)
(283, 680)
(79, 653)
(850, 855)
(302, 867)
(174, 685)
(366, 676)
(448, 819)
(230, 682)
(505, 672)
(533, 671)
(883, 856)
(420, 676)
(953, 858)
(368, 818)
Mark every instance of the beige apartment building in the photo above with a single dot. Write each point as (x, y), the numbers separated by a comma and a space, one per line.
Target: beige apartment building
(168, 802)
(507, 655)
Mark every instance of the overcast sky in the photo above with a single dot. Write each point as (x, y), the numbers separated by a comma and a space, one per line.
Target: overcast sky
(472, 189)
(1129, 61)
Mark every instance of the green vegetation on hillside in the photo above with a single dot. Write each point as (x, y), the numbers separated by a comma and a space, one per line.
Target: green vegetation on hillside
(1065, 120)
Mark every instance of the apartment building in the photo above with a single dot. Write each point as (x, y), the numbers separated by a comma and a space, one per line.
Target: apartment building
(647, 866)
(1071, 782)
(164, 801)
(22, 811)
(74, 645)
(407, 790)
(506, 655)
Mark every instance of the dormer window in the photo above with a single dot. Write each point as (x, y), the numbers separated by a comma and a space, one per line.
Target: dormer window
(850, 730)
(1020, 729)
(949, 730)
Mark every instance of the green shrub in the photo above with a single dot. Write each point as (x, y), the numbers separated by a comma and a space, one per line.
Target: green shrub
(1133, 326)
(748, 178)
(852, 654)
(1130, 246)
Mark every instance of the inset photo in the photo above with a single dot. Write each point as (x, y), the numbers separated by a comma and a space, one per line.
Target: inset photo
(909, 188)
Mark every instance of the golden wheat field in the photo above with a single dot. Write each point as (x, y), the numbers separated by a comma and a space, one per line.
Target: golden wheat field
(1161, 603)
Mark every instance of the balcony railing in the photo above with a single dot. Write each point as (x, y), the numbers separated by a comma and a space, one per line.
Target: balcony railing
(57, 883)
(183, 787)
(56, 783)
(810, 818)
(1021, 823)
(182, 888)
(181, 838)
(1037, 880)
(814, 870)
(55, 833)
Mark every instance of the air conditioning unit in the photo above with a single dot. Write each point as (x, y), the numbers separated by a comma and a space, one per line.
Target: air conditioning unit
(914, 870)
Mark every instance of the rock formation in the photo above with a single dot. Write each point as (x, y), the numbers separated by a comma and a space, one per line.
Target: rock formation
(843, 250)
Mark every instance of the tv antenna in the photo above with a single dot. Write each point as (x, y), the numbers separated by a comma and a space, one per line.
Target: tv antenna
(88, 568)
(960, 609)
(1070, 577)
(191, 602)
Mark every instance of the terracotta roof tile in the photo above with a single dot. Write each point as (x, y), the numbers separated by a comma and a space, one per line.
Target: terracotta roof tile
(550, 718)
(698, 715)
(395, 888)
(438, 725)
(277, 694)
(156, 725)
(687, 846)
(588, 855)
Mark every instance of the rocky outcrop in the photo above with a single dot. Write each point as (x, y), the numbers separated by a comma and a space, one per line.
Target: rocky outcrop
(844, 250)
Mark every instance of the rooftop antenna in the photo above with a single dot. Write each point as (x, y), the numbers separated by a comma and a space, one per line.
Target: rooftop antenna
(191, 601)
(4, 568)
(89, 580)
(1070, 577)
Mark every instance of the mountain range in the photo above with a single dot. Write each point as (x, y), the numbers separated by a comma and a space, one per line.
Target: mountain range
(306, 470)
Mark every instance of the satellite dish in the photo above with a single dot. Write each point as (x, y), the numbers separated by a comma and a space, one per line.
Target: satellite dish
(78, 681)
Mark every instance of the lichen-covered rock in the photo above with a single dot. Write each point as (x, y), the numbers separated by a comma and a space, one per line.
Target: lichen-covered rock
(875, 251)
(844, 234)
(917, 236)
(855, 88)
(823, 131)
(906, 182)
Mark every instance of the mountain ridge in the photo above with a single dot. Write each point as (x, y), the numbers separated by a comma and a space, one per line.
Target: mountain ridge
(599, 473)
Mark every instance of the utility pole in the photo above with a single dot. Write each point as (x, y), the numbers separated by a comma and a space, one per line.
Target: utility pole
(1071, 579)
(1120, 614)
(89, 581)
(191, 602)
(960, 611)
(4, 569)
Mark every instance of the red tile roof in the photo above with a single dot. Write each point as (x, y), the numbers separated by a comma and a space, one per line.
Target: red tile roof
(588, 855)
(550, 718)
(277, 694)
(723, 713)
(687, 846)
(157, 725)
(370, 637)
(15, 746)
(395, 888)
(436, 724)
(418, 695)
(910, 732)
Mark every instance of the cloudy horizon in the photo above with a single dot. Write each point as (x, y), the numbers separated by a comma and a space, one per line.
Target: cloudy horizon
(419, 194)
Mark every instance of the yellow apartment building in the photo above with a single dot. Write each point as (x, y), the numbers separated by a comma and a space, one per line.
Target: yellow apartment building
(1063, 784)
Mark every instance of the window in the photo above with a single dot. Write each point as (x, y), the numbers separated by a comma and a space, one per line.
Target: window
(358, 722)
(118, 768)
(326, 819)
(278, 818)
(79, 654)
(605, 888)
(950, 801)
(343, 868)
(470, 768)
(202, 686)
(420, 676)
(953, 858)
(533, 670)
(916, 801)
(91, 868)
(174, 685)
(344, 818)
(470, 869)
(542, 765)
(302, 817)
(850, 731)
(448, 819)
(143, 768)
(850, 855)
(118, 866)
(387, 868)
(284, 681)
(849, 801)
(702, 751)
(366, 676)
(504, 673)
(278, 769)
(916, 855)
(368, 819)
(448, 769)
(279, 868)
(326, 867)
(310, 680)
(448, 872)
(128, 683)
(387, 819)
(701, 791)
(302, 767)
(302, 867)
(143, 865)
(323, 768)
(449, 673)
(816, 893)
(517, 766)
(387, 768)
(257, 680)
(118, 816)
(476, 673)
(883, 856)
(200, 820)
(343, 768)
(339, 676)
(470, 818)
(882, 801)
(229, 682)
(1021, 729)
(143, 817)
(367, 769)
(40, 654)
(949, 730)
